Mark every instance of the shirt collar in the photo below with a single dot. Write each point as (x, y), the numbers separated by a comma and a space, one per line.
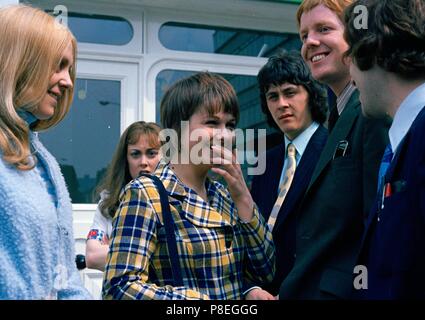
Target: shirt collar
(301, 141)
(342, 99)
(405, 115)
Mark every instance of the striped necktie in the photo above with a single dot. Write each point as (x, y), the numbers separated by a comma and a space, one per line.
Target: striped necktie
(385, 163)
(284, 186)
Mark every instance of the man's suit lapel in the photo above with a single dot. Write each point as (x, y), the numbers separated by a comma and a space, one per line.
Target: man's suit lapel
(340, 132)
(302, 175)
(277, 165)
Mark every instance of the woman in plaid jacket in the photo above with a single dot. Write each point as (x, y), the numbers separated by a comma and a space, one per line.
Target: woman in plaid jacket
(221, 238)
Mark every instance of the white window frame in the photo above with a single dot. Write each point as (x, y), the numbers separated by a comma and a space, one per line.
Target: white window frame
(127, 74)
(134, 17)
(158, 58)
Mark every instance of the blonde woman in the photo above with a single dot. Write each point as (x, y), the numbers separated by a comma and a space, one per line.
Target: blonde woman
(137, 152)
(37, 67)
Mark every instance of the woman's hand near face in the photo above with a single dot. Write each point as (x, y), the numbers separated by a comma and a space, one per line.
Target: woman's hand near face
(226, 165)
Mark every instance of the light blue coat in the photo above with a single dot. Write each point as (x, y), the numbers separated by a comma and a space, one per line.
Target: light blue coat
(37, 259)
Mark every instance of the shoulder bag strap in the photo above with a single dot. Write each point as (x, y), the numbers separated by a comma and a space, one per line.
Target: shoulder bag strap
(169, 230)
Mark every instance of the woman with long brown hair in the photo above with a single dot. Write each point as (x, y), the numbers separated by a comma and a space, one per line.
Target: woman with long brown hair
(137, 152)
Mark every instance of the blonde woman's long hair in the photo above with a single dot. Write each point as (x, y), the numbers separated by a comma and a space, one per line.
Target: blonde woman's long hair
(31, 46)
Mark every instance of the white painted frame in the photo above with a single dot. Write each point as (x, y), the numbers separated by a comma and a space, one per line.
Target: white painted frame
(127, 74)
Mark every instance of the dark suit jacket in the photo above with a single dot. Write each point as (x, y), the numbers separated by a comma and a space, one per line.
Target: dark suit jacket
(331, 217)
(393, 248)
(264, 192)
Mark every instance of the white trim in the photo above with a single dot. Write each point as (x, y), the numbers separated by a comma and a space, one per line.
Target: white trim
(4, 3)
(134, 17)
(84, 206)
(278, 14)
(126, 73)
(192, 62)
(155, 18)
(247, 14)
(95, 55)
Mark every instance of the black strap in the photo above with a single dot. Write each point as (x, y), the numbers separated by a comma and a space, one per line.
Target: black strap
(169, 230)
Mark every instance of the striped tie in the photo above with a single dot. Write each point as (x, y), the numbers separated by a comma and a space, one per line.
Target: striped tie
(284, 186)
(385, 163)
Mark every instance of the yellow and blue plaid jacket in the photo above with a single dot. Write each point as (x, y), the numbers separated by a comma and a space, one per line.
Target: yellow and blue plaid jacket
(138, 266)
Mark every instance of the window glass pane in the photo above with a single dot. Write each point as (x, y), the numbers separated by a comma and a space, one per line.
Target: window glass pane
(83, 143)
(246, 88)
(101, 29)
(251, 116)
(209, 39)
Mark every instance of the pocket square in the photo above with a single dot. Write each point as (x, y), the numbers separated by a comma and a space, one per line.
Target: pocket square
(394, 187)
(341, 149)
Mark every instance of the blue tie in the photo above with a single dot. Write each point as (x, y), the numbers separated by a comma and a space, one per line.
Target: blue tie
(385, 163)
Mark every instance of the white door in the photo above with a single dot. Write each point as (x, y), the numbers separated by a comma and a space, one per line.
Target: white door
(127, 102)
(105, 103)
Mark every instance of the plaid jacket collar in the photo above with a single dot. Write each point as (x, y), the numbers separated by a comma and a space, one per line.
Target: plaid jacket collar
(196, 209)
(171, 182)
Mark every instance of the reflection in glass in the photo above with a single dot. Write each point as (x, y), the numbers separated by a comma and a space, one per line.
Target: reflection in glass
(83, 143)
(101, 29)
(211, 39)
(245, 87)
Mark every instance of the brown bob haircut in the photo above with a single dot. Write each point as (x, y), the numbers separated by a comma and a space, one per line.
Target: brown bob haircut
(201, 90)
